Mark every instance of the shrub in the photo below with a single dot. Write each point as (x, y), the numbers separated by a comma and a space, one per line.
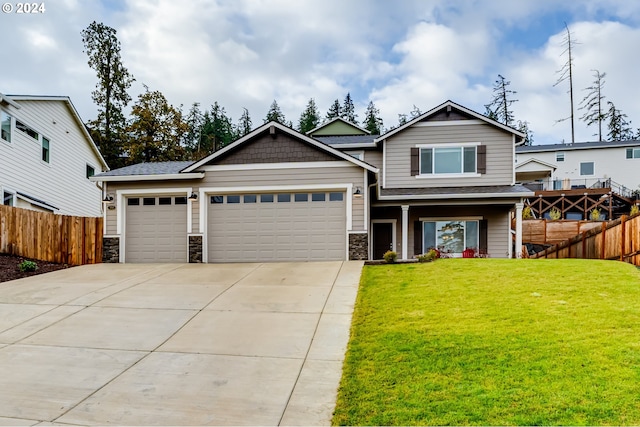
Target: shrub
(28, 266)
(555, 214)
(431, 255)
(390, 256)
(594, 215)
(634, 210)
(526, 213)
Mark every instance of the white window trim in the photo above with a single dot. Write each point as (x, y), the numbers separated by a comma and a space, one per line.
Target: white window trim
(11, 129)
(358, 154)
(458, 218)
(558, 154)
(587, 174)
(13, 193)
(205, 192)
(121, 211)
(447, 175)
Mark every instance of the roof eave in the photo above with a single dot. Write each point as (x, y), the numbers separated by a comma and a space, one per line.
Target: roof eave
(458, 196)
(155, 177)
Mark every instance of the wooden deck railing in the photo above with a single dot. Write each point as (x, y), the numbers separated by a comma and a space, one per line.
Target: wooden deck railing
(615, 240)
(49, 237)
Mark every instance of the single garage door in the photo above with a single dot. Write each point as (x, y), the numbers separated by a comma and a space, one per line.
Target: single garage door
(156, 229)
(302, 226)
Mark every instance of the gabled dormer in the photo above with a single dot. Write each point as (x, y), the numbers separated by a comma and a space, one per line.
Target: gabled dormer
(449, 146)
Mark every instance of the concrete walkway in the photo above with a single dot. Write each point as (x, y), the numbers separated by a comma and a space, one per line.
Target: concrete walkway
(196, 344)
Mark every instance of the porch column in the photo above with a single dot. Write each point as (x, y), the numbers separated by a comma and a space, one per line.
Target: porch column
(405, 231)
(519, 207)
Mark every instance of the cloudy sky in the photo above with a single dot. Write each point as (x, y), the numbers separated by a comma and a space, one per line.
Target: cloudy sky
(246, 53)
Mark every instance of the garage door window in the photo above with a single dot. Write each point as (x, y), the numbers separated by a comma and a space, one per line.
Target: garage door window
(164, 201)
(301, 197)
(318, 197)
(284, 198)
(335, 197)
(217, 199)
(266, 198)
(250, 198)
(149, 201)
(133, 201)
(181, 200)
(233, 199)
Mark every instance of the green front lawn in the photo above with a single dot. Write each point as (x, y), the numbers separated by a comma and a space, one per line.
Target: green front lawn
(494, 342)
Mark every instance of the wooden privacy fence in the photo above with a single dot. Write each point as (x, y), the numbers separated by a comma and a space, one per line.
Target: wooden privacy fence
(549, 232)
(615, 240)
(49, 237)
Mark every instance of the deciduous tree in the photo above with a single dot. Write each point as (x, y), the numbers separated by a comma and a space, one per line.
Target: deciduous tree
(566, 74)
(103, 49)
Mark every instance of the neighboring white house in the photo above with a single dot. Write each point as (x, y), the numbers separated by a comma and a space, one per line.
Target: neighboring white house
(47, 157)
(581, 164)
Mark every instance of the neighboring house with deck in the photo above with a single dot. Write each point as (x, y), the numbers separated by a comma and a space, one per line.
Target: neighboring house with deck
(614, 164)
(47, 157)
(445, 179)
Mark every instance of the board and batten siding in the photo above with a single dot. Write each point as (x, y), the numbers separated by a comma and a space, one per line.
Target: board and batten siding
(292, 177)
(62, 182)
(500, 161)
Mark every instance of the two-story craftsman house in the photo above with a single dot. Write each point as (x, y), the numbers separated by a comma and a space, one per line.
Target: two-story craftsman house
(445, 180)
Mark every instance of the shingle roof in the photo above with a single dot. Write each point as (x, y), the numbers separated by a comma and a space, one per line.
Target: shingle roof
(152, 168)
(480, 191)
(336, 141)
(576, 146)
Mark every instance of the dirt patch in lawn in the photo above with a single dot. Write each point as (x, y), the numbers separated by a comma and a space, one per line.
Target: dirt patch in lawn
(10, 267)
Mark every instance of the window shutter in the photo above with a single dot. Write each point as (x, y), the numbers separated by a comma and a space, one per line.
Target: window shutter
(482, 159)
(483, 237)
(417, 238)
(415, 161)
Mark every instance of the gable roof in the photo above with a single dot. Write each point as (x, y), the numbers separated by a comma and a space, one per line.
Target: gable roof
(576, 146)
(275, 125)
(452, 105)
(74, 113)
(540, 162)
(339, 119)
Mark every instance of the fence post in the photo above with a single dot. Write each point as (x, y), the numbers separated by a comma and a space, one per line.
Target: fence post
(623, 232)
(604, 239)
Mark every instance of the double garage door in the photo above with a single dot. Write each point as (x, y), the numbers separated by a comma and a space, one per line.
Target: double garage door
(301, 226)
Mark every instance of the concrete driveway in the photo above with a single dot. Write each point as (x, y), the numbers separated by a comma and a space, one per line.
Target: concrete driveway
(189, 344)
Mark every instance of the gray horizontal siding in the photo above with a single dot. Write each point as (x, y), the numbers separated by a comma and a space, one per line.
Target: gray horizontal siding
(373, 158)
(499, 144)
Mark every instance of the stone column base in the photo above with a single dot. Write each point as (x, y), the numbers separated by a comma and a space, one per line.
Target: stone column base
(110, 249)
(195, 249)
(358, 246)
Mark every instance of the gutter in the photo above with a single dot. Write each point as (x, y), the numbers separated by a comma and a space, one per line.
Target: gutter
(157, 177)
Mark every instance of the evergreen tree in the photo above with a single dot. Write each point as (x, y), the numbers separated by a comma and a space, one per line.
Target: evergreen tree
(501, 102)
(275, 114)
(402, 119)
(372, 120)
(619, 128)
(194, 121)
(217, 130)
(348, 111)
(528, 134)
(156, 130)
(415, 112)
(490, 113)
(592, 103)
(108, 130)
(310, 117)
(244, 124)
(334, 111)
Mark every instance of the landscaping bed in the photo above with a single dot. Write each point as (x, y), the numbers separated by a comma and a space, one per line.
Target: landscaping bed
(10, 267)
(494, 342)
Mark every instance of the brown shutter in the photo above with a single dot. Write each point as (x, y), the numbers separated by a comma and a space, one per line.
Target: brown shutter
(482, 158)
(417, 237)
(483, 237)
(415, 161)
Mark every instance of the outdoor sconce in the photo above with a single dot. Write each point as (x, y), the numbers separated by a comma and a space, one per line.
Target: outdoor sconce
(358, 193)
(193, 197)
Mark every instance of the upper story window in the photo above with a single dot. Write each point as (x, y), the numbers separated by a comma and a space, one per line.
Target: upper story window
(5, 126)
(45, 149)
(26, 129)
(357, 154)
(448, 160)
(7, 198)
(559, 157)
(586, 168)
(90, 171)
(633, 153)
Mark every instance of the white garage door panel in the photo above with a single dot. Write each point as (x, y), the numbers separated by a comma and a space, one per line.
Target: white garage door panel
(276, 231)
(156, 233)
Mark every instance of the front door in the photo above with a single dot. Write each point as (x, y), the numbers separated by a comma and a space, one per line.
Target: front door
(382, 238)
